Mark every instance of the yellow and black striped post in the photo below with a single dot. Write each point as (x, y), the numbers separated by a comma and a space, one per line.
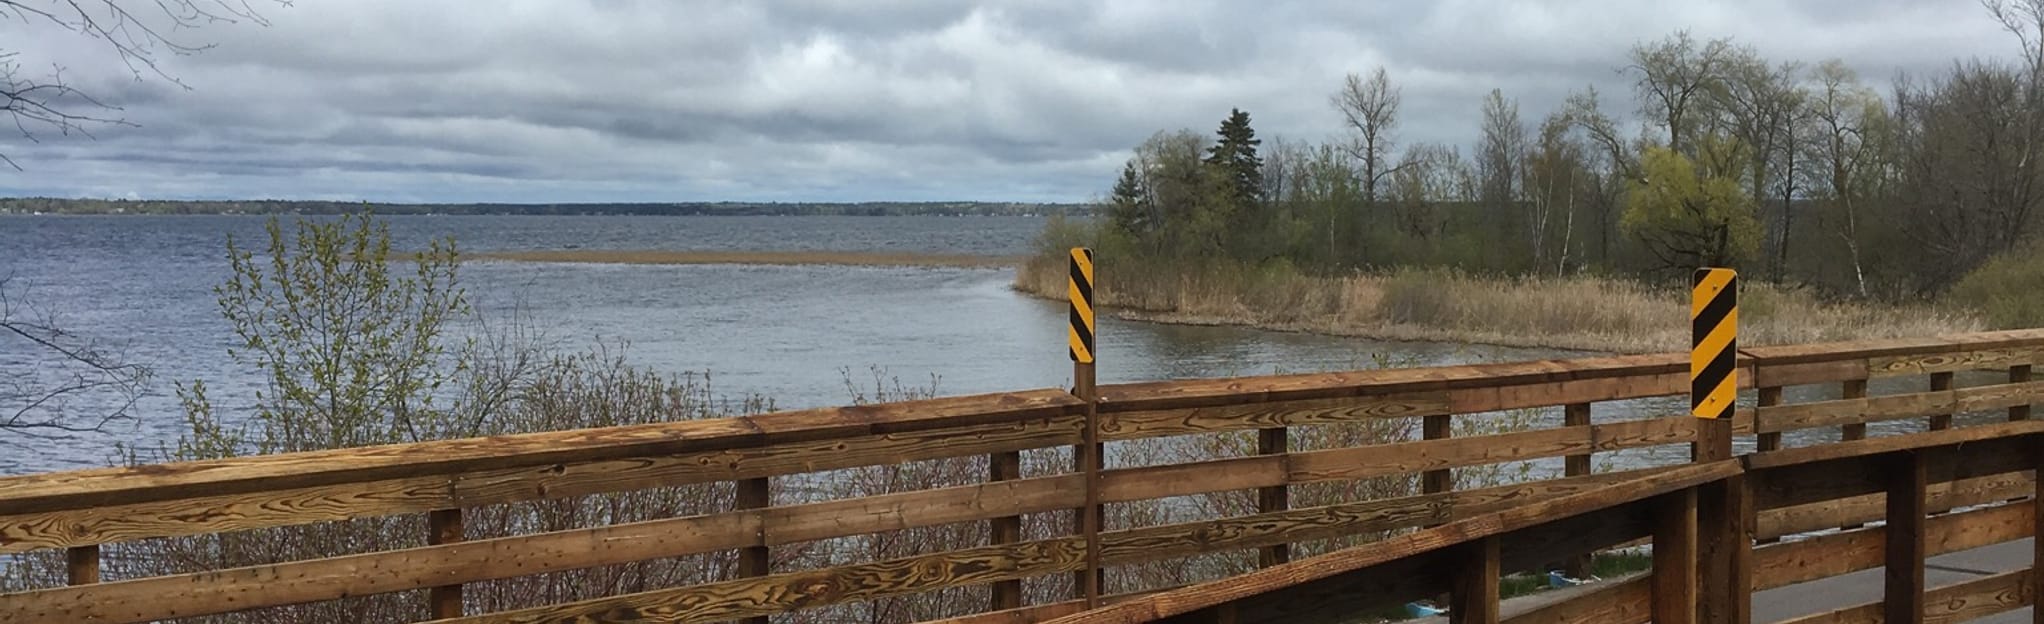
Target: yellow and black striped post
(1714, 343)
(1087, 458)
(1080, 292)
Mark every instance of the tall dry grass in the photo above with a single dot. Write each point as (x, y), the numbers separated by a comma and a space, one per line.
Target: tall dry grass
(1584, 312)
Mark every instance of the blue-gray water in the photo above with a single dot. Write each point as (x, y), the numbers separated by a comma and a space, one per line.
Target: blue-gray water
(143, 284)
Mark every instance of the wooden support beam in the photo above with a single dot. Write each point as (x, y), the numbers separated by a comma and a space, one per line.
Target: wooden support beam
(1273, 441)
(81, 565)
(444, 526)
(1674, 574)
(1474, 598)
(2036, 529)
(1725, 526)
(1439, 427)
(1577, 415)
(2019, 374)
(1005, 466)
(1770, 396)
(1908, 479)
(754, 561)
(1088, 459)
(1853, 389)
(1940, 382)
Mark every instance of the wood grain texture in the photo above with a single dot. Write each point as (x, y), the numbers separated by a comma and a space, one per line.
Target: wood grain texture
(1401, 548)
(1949, 604)
(1868, 508)
(1675, 565)
(1833, 554)
(1237, 417)
(1625, 601)
(1940, 401)
(1474, 598)
(119, 486)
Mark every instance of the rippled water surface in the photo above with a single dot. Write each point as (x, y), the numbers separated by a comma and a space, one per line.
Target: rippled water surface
(789, 333)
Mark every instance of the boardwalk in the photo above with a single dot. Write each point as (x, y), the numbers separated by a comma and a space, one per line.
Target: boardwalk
(1713, 520)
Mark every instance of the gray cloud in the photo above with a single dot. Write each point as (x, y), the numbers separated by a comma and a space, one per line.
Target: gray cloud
(623, 100)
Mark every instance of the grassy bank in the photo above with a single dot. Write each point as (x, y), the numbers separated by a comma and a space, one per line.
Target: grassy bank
(777, 258)
(1588, 313)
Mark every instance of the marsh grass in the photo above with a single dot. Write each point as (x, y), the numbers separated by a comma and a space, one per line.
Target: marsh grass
(769, 258)
(1584, 312)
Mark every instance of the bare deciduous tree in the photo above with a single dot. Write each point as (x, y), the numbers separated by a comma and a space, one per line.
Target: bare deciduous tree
(41, 100)
(1370, 110)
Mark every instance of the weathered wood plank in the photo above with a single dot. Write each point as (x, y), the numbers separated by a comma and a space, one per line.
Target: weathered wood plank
(1007, 466)
(1262, 415)
(1868, 508)
(1474, 599)
(1674, 573)
(1203, 393)
(1402, 547)
(1833, 554)
(1940, 401)
(121, 486)
(1415, 457)
(1903, 557)
(1954, 361)
(236, 512)
(1628, 601)
(1272, 499)
(445, 527)
(1949, 604)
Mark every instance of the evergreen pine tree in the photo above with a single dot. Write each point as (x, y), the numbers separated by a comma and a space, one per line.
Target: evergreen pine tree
(1235, 155)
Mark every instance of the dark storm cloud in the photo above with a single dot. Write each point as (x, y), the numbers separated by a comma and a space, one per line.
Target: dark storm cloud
(823, 99)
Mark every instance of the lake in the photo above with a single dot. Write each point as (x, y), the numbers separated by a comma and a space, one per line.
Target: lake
(792, 333)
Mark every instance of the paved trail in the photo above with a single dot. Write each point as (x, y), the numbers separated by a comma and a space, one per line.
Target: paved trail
(1847, 590)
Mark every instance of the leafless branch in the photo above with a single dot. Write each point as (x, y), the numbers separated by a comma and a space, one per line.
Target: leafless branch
(139, 36)
(59, 367)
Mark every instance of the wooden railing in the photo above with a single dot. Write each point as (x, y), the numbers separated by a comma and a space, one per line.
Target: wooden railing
(78, 512)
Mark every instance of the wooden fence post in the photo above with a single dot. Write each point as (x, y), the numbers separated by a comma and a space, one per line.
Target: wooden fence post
(1437, 427)
(1770, 396)
(1576, 415)
(754, 561)
(1005, 466)
(444, 526)
(1940, 382)
(1089, 456)
(1903, 598)
(2020, 374)
(2037, 528)
(1276, 498)
(1674, 574)
(1853, 389)
(1474, 597)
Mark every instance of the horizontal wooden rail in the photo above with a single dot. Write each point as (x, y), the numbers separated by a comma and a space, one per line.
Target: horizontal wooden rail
(1791, 491)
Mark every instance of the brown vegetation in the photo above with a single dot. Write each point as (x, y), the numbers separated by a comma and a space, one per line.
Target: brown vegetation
(776, 258)
(1589, 313)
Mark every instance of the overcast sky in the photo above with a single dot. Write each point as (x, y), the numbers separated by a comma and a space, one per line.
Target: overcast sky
(619, 100)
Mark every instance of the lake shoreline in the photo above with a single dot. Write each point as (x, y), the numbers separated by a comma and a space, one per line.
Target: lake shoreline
(1587, 314)
(763, 258)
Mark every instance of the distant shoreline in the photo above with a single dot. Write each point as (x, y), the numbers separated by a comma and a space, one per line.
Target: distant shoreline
(770, 258)
(56, 206)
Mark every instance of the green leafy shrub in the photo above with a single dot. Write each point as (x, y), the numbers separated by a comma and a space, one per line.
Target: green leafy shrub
(2008, 290)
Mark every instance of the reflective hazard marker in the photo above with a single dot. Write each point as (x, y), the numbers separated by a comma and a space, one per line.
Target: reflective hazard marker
(1714, 343)
(1080, 292)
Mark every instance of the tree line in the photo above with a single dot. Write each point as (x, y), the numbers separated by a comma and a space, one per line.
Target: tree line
(1790, 171)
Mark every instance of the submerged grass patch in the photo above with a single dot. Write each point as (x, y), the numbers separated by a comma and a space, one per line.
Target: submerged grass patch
(776, 258)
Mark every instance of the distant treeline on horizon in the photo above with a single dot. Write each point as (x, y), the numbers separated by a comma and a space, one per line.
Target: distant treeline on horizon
(52, 205)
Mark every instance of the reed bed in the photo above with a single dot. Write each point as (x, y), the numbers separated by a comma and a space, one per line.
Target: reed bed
(773, 258)
(1580, 313)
